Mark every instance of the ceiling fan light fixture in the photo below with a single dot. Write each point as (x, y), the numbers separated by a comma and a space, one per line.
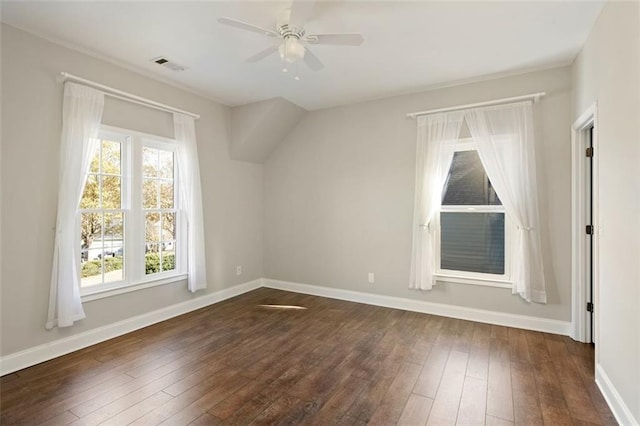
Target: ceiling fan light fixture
(291, 50)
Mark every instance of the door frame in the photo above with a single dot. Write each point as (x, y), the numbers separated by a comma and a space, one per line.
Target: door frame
(579, 254)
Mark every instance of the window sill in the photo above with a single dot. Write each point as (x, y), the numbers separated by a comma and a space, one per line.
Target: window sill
(100, 293)
(473, 281)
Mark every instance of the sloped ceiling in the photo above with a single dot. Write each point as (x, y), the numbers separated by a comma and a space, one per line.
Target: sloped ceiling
(257, 128)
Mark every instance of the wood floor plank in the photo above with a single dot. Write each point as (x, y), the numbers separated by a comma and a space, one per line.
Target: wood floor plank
(536, 344)
(138, 410)
(63, 418)
(478, 365)
(447, 400)
(580, 404)
(519, 349)
(497, 421)
(102, 409)
(419, 352)
(206, 420)
(416, 411)
(277, 411)
(547, 383)
(141, 387)
(274, 388)
(225, 408)
(185, 417)
(195, 378)
(554, 411)
(334, 363)
(499, 393)
(473, 402)
(526, 404)
(464, 336)
(180, 402)
(429, 379)
(58, 403)
(339, 402)
(394, 401)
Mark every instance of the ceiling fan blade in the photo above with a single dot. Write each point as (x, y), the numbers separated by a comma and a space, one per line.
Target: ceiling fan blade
(245, 26)
(312, 61)
(263, 54)
(354, 39)
(300, 12)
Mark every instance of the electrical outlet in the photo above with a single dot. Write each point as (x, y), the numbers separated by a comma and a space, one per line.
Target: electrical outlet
(239, 270)
(371, 277)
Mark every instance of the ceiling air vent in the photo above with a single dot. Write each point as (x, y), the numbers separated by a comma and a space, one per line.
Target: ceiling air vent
(168, 64)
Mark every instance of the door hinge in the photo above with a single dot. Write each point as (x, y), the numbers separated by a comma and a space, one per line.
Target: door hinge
(589, 307)
(589, 229)
(589, 152)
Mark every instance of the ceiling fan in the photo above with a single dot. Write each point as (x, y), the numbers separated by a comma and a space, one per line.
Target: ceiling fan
(293, 41)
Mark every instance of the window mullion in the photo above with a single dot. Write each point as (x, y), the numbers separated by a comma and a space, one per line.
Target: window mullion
(472, 209)
(136, 243)
(102, 262)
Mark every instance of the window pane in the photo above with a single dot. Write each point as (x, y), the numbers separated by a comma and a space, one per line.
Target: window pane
(91, 233)
(94, 167)
(113, 231)
(166, 164)
(149, 162)
(168, 226)
(111, 157)
(472, 242)
(91, 194)
(113, 267)
(111, 192)
(91, 272)
(166, 195)
(152, 259)
(467, 183)
(168, 256)
(152, 227)
(150, 194)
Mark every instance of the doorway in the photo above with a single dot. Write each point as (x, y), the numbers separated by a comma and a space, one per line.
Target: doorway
(584, 311)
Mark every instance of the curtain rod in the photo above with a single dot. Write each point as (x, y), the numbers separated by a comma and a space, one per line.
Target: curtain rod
(534, 96)
(125, 96)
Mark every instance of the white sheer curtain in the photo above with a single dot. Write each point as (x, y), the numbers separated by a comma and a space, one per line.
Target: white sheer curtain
(81, 115)
(191, 199)
(504, 136)
(437, 134)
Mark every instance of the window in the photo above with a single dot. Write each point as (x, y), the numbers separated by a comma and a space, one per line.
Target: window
(158, 203)
(129, 221)
(473, 233)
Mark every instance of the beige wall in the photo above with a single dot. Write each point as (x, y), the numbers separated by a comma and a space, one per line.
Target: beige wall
(608, 71)
(339, 196)
(31, 124)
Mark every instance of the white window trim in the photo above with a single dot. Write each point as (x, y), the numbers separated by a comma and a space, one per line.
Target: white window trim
(122, 287)
(134, 218)
(476, 278)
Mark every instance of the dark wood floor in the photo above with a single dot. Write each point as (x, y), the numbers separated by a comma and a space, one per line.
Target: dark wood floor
(333, 363)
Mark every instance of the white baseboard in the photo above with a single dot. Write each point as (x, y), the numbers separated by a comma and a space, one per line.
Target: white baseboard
(47, 351)
(616, 403)
(460, 312)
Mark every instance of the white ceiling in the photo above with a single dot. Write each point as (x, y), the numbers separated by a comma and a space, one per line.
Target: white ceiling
(408, 46)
